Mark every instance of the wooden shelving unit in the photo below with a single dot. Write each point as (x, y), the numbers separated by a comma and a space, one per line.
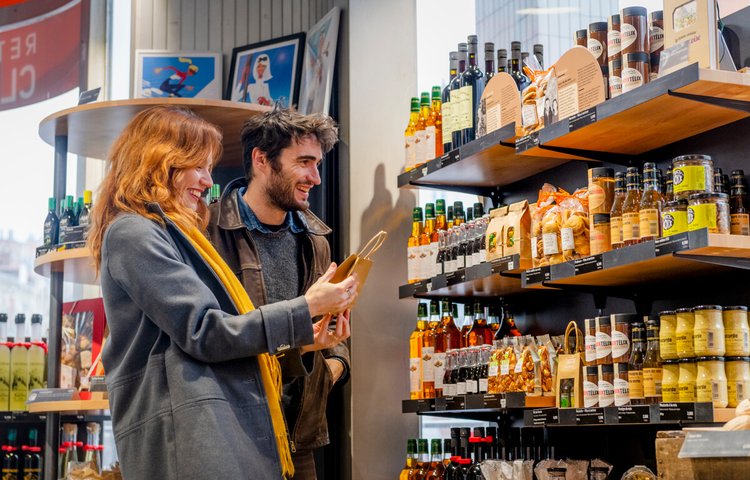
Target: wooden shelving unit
(69, 406)
(76, 263)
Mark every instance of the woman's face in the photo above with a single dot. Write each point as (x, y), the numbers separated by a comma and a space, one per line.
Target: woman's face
(192, 182)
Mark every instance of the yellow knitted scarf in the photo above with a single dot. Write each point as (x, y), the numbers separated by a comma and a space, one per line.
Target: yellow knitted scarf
(270, 371)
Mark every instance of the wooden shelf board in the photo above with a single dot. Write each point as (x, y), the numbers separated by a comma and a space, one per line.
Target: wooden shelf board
(93, 127)
(722, 245)
(723, 415)
(69, 406)
(76, 264)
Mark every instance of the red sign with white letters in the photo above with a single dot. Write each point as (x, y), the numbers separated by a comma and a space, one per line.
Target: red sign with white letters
(40, 57)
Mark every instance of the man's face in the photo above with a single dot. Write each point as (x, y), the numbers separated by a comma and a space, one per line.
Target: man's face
(289, 189)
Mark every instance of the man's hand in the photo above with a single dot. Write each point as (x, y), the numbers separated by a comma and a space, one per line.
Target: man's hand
(336, 368)
(324, 297)
(324, 338)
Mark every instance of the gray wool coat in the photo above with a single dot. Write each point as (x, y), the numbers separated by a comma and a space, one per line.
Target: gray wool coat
(185, 390)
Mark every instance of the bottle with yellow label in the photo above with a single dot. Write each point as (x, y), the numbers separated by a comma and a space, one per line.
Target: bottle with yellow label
(630, 208)
(740, 216)
(649, 213)
(615, 215)
(652, 364)
(635, 365)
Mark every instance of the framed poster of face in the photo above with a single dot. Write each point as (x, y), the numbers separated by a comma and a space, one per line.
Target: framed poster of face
(267, 73)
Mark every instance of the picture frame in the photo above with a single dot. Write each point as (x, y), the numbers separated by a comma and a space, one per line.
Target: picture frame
(165, 74)
(320, 61)
(267, 73)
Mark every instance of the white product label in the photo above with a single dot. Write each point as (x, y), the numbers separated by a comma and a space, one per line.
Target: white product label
(606, 394)
(483, 385)
(428, 364)
(615, 86)
(439, 369)
(622, 392)
(482, 255)
(549, 243)
(421, 141)
(460, 262)
(568, 239)
(466, 102)
(631, 79)
(476, 258)
(652, 76)
(590, 394)
(628, 35)
(410, 152)
(412, 264)
(595, 47)
(423, 268)
(504, 368)
(461, 388)
(613, 43)
(603, 345)
(620, 344)
(494, 368)
(446, 113)
(415, 374)
(657, 39)
(534, 248)
(472, 386)
(590, 350)
(528, 115)
(519, 367)
(469, 260)
(429, 143)
(434, 251)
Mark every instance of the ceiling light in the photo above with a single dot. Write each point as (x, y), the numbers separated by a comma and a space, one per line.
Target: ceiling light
(547, 10)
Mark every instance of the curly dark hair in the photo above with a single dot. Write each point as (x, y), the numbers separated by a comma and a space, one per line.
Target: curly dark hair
(274, 131)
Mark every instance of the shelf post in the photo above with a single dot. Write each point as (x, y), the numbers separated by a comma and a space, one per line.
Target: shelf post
(52, 430)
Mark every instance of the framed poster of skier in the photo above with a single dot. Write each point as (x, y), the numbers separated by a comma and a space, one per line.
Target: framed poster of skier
(164, 74)
(267, 73)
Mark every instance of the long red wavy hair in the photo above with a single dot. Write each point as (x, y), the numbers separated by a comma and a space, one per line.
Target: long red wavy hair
(145, 161)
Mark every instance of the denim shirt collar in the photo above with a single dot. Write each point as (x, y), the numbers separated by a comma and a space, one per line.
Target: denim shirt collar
(293, 220)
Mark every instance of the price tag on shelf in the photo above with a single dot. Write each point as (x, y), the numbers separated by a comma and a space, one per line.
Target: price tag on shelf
(528, 142)
(544, 416)
(634, 414)
(582, 119)
(589, 416)
(671, 244)
(588, 264)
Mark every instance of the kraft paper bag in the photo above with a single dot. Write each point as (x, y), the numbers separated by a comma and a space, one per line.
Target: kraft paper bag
(570, 362)
(361, 262)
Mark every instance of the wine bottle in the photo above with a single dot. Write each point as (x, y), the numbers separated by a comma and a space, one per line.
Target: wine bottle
(448, 105)
(472, 84)
(51, 224)
(457, 99)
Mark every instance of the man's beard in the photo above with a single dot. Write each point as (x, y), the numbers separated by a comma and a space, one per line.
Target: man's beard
(281, 193)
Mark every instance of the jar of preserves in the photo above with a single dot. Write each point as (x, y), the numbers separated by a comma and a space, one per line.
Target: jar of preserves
(667, 345)
(606, 385)
(601, 189)
(738, 380)
(582, 37)
(684, 332)
(589, 358)
(603, 340)
(597, 42)
(736, 331)
(591, 387)
(615, 77)
(711, 381)
(686, 382)
(692, 174)
(709, 210)
(622, 386)
(621, 336)
(636, 70)
(634, 35)
(601, 229)
(674, 217)
(613, 38)
(670, 381)
(708, 331)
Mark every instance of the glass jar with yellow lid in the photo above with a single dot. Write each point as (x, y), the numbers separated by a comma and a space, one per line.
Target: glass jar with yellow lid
(738, 379)
(667, 345)
(708, 331)
(674, 217)
(684, 332)
(736, 331)
(670, 381)
(711, 381)
(686, 382)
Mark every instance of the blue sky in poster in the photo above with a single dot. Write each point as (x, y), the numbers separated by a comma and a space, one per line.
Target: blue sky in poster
(282, 65)
(156, 70)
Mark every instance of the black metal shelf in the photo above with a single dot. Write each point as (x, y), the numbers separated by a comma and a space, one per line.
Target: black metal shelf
(656, 414)
(26, 417)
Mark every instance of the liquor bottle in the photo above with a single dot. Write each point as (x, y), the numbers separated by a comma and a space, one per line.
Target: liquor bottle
(5, 377)
(449, 383)
(649, 210)
(461, 369)
(668, 186)
(36, 354)
(93, 450)
(441, 256)
(493, 318)
(484, 360)
(489, 61)
(522, 81)
(415, 354)
(630, 208)
(447, 108)
(467, 324)
(740, 219)
(411, 459)
(539, 54)
(455, 449)
(425, 132)
(719, 184)
(423, 460)
(457, 99)
(464, 254)
(450, 336)
(438, 356)
(436, 115)
(502, 60)
(477, 441)
(410, 145)
(479, 333)
(472, 370)
(67, 218)
(427, 254)
(508, 326)
(437, 469)
(84, 217)
(458, 212)
(465, 462)
(615, 215)
(413, 267)
(78, 209)
(635, 365)
(429, 336)
(450, 218)
(19, 367)
(51, 224)
(457, 260)
(32, 457)
(472, 84)
(10, 465)
(652, 369)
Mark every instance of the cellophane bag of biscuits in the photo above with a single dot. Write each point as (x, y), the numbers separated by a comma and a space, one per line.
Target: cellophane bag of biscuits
(493, 371)
(574, 226)
(545, 201)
